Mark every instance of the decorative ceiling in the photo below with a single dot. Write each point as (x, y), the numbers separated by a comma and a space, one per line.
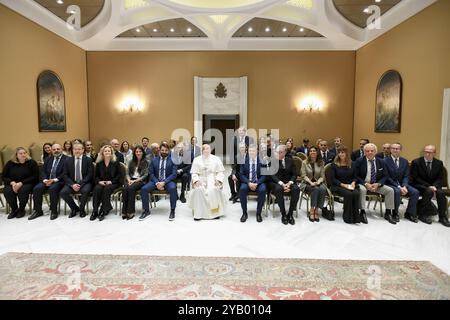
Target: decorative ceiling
(266, 28)
(174, 28)
(90, 8)
(127, 25)
(356, 11)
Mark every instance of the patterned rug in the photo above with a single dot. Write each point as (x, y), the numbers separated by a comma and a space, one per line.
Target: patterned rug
(55, 276)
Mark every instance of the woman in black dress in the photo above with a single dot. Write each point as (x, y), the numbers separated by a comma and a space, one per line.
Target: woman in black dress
(20, 175)
(107, 179)
(344, 184)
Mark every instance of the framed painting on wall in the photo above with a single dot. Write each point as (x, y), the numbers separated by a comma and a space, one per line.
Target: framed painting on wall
(388, 109)
(51, 102)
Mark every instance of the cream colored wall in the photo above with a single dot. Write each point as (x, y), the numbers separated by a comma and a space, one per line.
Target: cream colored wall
(420, 50)
(26, 50)
(276, 83)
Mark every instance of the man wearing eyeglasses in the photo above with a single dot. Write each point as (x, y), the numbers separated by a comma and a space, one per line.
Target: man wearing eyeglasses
(427, 174)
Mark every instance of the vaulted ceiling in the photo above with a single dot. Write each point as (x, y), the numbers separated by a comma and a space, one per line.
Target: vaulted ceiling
(219, 25)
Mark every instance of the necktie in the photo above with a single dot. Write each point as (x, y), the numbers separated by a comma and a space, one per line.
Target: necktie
(254, 178)
(396, 162)
(283, 164)
(429, 167)
(162, 171)
(77, 170)
(55, 165)
(360, 153)
(373, 173)
(192, 154)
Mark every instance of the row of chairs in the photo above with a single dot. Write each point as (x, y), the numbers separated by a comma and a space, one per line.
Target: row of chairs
(331, 197)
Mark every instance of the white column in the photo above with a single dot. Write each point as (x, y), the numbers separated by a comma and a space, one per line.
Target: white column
(445, 130)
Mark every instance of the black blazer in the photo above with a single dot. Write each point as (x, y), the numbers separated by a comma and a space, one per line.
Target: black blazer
(397, 176)
(357, 154)
(119, 156)
(111, 173)
(381, 155)
(87, 171)
(361, 171)
(183, 163)
(47, 168)
(287, 174)
(421, 180)
(238, 162)
(303, 149)
(245, 169)
(329, 157)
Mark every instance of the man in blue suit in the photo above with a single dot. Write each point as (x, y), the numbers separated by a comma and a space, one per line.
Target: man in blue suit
(252, 180)
(163, 173)
(398, 179)
(371, 176)
(52, 174)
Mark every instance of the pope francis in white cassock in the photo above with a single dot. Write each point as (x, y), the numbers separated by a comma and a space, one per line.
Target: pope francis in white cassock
(206, 198)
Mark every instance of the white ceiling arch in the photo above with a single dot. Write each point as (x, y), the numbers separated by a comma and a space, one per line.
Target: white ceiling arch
(219, 23)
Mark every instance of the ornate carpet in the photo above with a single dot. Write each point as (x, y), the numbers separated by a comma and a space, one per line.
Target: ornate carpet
(55, 276)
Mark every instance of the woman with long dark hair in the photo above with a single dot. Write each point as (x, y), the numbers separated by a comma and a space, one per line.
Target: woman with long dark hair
(136, 178)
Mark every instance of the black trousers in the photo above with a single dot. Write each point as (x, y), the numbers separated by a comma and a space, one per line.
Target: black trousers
(23, 196)
(102, 196)
(277, 191)
(427, 196)
(185, 180)
(352, 204)
(234, 188)
(53, 191)
(66, 194)
(129, 197)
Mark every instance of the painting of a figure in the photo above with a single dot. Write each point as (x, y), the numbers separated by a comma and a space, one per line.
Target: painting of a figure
(389, 100)
(51, 102)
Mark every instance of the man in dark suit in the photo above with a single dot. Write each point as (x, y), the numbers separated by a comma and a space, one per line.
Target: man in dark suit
(283, 182)
(327, 155)
(234, 179)
(360, 152)
(241, 138)
(193, 150)
(52, 179)
(183, 163)
(337, 145)
(386, 153)
(147, 150)
(398, 179)
(116, 145)
(163, 173)
(371, 176)
(252, 180)
(78, 178)
(304, 148)
(427, 177)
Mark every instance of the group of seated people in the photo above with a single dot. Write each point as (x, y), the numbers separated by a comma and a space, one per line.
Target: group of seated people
(268, 168)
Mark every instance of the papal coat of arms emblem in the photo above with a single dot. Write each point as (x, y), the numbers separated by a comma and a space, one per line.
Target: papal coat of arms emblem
(221, 91)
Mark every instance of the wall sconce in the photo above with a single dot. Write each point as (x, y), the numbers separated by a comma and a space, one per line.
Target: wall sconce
(131, 105)
(311, 104)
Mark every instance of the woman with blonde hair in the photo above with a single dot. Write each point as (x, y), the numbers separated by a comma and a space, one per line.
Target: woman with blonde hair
(20, 175)
(313, 178)
(344, 184)
(107, 179)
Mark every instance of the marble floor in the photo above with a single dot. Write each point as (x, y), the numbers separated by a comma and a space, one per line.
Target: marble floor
(229, 237)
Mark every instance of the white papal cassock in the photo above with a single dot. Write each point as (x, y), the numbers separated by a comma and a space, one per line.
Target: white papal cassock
(207, 200)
